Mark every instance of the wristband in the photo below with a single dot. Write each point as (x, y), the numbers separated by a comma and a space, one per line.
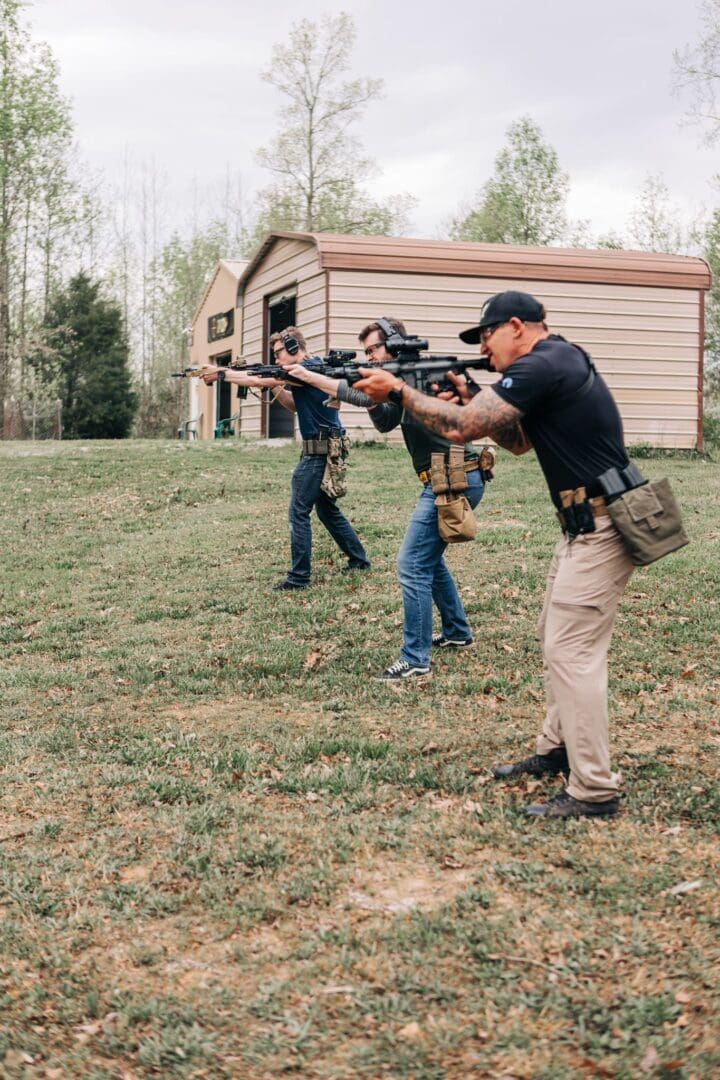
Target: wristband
(396, 396)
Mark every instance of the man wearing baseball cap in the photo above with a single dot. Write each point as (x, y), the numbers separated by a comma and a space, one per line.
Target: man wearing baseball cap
(550, 397)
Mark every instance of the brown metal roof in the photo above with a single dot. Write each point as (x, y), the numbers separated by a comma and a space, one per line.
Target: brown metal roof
(408, 255)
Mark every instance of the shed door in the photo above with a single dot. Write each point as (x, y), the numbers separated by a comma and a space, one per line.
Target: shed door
(223, 390)
(279, 423)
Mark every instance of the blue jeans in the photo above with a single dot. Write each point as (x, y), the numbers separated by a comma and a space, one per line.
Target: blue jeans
(305, 494)
(424, 578)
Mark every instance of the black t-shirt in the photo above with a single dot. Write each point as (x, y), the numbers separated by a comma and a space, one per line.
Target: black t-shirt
(579, 441)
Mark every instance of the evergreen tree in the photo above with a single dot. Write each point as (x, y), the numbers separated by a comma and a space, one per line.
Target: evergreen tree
(86, 341)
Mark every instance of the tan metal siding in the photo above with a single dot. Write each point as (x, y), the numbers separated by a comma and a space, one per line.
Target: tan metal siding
(221, 295)
(644, 340)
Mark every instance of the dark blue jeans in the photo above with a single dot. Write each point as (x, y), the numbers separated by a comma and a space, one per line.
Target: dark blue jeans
(305, 494)
(424, 578)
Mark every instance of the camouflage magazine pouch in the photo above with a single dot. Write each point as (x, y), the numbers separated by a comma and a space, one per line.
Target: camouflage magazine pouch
(456, 521)
(334, 481)
(648, 519)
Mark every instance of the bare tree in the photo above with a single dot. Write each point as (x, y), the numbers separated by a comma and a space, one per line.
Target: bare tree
(316, 160)
(35, 140)
(697, 72)
(654, 221)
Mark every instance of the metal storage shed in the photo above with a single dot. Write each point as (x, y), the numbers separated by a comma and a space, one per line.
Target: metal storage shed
(640, 315)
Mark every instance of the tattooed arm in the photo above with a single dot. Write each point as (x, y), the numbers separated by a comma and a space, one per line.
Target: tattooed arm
(486, 415)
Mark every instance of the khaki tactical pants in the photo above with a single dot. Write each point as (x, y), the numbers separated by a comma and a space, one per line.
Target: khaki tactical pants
(586, 580)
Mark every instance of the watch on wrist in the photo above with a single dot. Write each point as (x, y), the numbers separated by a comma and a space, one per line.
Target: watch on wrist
(221, 375)
(396, 396)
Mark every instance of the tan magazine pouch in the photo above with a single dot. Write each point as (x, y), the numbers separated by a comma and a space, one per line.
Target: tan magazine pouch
(648, 519)
(438, 475)
(456, 521)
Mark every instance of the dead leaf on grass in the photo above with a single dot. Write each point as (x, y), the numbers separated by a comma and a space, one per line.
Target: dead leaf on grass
(134, 873)
(686, 887)
(313, 659)
(597, 1070)
(411, 1032)
(451, 863)
(650, 1059)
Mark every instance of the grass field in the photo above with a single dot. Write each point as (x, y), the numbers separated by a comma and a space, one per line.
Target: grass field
(225, 851)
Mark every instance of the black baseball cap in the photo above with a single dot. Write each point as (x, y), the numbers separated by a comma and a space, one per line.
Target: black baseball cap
(501, 307)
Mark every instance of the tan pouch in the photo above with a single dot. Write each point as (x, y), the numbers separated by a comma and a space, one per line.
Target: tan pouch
(488, 457)
(648, 519)
(456, 521)
(438, 474)
(457, 476)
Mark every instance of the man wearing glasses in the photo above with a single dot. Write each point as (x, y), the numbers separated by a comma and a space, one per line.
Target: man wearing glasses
(422, 572)
(551, 398)
(317, 423)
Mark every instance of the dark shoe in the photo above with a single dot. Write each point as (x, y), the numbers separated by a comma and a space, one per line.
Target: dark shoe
(538, 765)
(285, 586)
(442, 642)
(401, 670)
(564, 806)
(349, 569)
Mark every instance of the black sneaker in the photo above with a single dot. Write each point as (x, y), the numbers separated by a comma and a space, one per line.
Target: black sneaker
(538, 765)
(353, 569)
(564, 806)
(285, 586)
(402, 670)
(442, 642)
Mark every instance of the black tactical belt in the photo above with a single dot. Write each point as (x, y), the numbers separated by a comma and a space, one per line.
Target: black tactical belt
(314, 447)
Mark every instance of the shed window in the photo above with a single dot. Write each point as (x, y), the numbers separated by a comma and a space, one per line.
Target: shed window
(221, 325)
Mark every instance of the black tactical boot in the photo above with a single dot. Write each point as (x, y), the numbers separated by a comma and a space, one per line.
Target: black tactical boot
(551, 764)
(565, 806)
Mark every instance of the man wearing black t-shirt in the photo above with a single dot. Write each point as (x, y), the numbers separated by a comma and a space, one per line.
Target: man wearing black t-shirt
(550, 397)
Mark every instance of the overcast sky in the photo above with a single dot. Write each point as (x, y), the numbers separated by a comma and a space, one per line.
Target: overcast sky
(178, 82)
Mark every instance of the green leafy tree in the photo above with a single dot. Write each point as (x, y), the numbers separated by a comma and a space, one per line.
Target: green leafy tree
(86, 355)
(317, 162)
(524, 202)
(35, 140)
(710, 239)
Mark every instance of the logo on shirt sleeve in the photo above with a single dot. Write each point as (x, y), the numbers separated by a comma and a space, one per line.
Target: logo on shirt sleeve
(507, 382)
